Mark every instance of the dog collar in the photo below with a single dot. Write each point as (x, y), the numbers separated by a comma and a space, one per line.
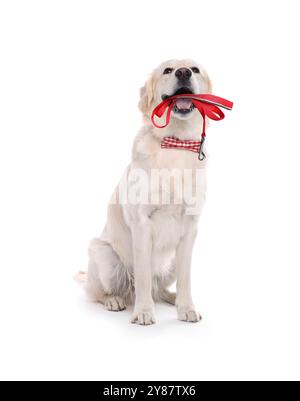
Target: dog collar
(207, 105)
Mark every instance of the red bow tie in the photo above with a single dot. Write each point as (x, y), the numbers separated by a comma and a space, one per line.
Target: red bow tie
(207, 105)
(173, 143)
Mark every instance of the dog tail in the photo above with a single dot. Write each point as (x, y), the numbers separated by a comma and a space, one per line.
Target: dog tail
(81, 277)
(95, 294)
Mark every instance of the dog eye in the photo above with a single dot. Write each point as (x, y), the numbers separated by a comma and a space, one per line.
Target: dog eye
(196, 70)
(168, 71)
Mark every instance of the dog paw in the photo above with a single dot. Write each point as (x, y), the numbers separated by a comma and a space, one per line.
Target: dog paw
(188, 314)
(144, 318)
(114, 304)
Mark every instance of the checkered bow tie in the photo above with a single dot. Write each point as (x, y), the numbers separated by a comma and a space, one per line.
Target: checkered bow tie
(174, 143)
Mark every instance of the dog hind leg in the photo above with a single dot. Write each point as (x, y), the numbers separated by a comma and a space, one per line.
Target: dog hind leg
(163, 284)
(108, 281)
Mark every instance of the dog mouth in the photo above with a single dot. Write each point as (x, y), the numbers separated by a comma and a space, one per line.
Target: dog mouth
(182, 106)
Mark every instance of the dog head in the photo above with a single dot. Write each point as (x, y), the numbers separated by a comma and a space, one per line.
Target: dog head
(171, 78)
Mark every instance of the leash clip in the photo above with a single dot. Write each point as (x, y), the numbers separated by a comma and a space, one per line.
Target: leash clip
(202, 155)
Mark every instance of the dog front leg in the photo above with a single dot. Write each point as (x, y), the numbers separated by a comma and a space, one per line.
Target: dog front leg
(184, 302)
(142, 255)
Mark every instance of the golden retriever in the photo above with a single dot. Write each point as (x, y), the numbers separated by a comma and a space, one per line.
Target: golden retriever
(152, 220)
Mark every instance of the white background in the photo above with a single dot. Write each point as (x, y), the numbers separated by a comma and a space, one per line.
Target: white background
(70, 74)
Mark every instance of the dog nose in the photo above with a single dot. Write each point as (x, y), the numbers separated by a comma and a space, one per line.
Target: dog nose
(183, 74)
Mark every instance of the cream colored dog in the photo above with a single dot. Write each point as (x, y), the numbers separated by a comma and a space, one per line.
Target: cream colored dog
(147, 246)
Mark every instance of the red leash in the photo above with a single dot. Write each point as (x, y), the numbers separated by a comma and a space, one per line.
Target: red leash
(207, 105)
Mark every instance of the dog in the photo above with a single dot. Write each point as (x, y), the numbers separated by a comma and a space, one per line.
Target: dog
(146, 246)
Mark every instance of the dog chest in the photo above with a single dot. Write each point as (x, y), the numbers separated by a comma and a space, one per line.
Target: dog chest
(167, 225)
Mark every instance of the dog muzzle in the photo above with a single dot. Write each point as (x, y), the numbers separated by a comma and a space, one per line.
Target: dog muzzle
(207, 105)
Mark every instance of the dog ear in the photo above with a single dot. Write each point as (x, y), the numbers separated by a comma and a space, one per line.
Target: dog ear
(207, 80)
(209, 84)
(146, 95)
